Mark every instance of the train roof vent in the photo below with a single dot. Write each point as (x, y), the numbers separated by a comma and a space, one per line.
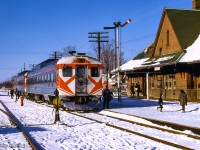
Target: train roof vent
(80, 54)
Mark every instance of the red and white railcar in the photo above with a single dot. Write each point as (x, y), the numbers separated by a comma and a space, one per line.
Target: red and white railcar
(77, 78)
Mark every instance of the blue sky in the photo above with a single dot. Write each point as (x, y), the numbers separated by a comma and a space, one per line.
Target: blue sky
(30, 30)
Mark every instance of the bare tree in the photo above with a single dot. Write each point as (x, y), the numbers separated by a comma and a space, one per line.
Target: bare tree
(109, 56)
(7, 84)
(68, 49)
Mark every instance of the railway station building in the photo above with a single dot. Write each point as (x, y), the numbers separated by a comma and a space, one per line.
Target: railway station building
(172, 61)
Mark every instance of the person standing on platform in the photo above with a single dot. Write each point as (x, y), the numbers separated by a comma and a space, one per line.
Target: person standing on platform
(16, 94)
(132, 89)
(183, 100)
(106, 93)
(12, 93)
(138, 89)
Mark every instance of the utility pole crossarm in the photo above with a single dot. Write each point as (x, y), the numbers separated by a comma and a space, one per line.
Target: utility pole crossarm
(98, 38)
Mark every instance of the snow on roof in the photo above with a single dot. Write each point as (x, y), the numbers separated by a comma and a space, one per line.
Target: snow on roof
(192, 52)
(131, 64)
(153, 62)
(164, 58)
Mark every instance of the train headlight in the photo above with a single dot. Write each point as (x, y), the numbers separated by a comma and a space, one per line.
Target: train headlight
(81, 80)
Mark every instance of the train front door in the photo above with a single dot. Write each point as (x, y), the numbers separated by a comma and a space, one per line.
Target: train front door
(81, 80)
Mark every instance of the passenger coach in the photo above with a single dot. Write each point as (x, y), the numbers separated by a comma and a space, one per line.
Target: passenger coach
(77, 78)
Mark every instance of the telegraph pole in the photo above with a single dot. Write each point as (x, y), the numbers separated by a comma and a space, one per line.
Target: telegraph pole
(117, 25)
(55, 55)
(31, 66)
(98, 38)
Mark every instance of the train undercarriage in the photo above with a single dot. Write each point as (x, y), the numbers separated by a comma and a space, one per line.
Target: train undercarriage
(69, 103)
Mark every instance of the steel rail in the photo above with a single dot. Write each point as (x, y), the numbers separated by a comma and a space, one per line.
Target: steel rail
(176, 126)
(151, 126)
(32, 142)
(134, 132)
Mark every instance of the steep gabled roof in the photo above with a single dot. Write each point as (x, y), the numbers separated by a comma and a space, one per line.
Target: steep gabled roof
(186, 24)
(146, 53)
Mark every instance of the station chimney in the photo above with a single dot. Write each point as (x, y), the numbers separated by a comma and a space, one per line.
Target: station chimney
(195, 4)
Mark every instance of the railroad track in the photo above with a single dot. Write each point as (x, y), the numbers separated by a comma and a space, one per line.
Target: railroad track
(32, 142)
(113, 124)
(175, 126)
(151, 126)
(157, 139)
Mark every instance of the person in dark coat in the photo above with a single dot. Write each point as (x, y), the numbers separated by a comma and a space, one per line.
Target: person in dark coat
(106, 95)
(138, 89)
(183, 99)
(160, 102)
(56, 93)
(132, 90)
(12, 93)
(16, 94)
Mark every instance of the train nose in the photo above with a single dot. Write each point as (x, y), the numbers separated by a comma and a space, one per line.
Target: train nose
(80, 79)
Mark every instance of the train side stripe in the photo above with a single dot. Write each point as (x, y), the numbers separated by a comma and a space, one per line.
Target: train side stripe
(98, 85)
(64, 85)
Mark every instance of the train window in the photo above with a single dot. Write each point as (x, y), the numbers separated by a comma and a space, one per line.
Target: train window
(94, 72)
(67, 71)
(49, 77)
(42, 78)
(46, 78)
(80, 71)
(52, 77)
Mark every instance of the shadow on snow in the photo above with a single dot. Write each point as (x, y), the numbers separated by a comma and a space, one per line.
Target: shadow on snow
(133, 102)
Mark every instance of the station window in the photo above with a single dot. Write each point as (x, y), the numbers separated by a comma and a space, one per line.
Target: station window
(167, 34)
(94, 72)
(67, 71)
(152, 82)
(170, 81)
(159, 83)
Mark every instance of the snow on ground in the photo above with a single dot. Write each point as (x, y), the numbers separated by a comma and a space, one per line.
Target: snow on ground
(148, 108)
(75, 133)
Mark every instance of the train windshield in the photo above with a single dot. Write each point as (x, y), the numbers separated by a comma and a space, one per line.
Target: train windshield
(67, 71)
(81, 81)
(80, 71)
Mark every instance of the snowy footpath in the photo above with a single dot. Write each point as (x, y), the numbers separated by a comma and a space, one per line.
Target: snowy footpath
(148, 108)
(75, 133)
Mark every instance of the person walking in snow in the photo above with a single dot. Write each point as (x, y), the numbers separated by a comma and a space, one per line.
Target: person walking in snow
(183, 99)
(160, 102)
